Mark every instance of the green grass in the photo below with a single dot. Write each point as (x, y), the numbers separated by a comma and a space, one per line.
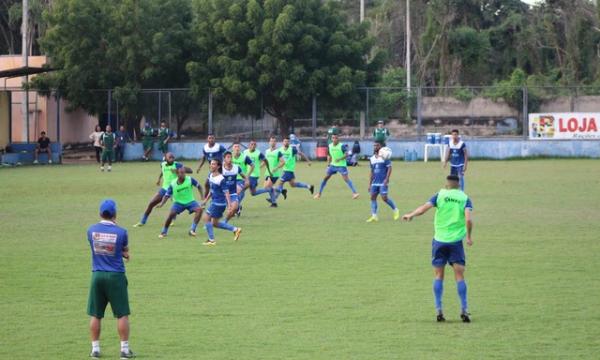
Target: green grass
(310, 279)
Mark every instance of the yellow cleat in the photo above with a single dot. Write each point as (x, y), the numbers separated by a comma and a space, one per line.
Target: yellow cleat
(236, 234)
(209, 243)
(192, 233)
(139, 225)
(317, 196)
(162, 236)
(396, 214)
(373, 218)
(355, 196)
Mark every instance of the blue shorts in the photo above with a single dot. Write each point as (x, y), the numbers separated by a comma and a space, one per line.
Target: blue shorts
(253, 182)
(233, 197)
(216, 211)
(457, 170)
(447, 253)
(190, 207)
(272, 178)
(332, 170)
(162, 192)
(287, 176)
(379, 189)
(241, 184)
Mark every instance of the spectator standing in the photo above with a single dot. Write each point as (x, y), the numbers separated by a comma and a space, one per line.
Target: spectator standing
(381, 133)
(43, 147)
(122, 138)
(95, 137)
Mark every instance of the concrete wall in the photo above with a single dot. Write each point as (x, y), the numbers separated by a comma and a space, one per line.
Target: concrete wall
(492, 149)
(444, 107)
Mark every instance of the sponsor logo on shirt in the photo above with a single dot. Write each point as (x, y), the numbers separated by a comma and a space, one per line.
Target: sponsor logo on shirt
(104, 243)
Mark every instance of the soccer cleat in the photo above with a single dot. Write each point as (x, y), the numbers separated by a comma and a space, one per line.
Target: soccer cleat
(311, 189)
(162, 235)
(191, 233)
(236, 234)
(95, 354)
(465, 317)
(396, 214)
(355, 196)
(284, 193)
(139, 224)
(273, 205)
(317, 196)
(209, 243)
(440, 317)
(35, 162)
(238, 213)
(49, 161)
(269, 200)
(109, 168)
(101, 168)
(373, 218)
(127, 355)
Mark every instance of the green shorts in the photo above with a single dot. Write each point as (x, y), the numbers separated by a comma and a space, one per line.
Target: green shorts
(163, 147)
(147, 143)
(108, 287)
(108, 155)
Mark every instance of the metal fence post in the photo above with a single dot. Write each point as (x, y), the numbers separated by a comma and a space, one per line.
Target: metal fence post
(314, 117)
(57, 96)
(367, 108)
(419, 112)
(109, 107)
(159, 107)
(210, 112)
(525, 113)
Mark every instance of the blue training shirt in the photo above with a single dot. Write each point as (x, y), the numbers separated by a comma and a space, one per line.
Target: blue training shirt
(231, 177)
(107, 241)
(214, 152)
(457, 153)
(218, 188)
(433, 201)
(379, 167)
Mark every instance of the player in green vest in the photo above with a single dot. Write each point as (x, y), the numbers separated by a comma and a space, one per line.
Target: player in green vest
(380, 133)
(147, 140)
(452, 224)
(108, 140)
(334, 130)
(336, 160)
(168, 173)
(182, 191)
(257, 158)
(289, 156)
(164, 135)
(245, 163)
(276, 163)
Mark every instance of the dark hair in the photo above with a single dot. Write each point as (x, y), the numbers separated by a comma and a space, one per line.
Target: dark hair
(452, 178)
(454, 131)
(43, 133)
(210, 134)
(252, 140)
(286, 137)
(220, 167)
(236, 143)
(227, 153)
(106, 215)
(272, 137)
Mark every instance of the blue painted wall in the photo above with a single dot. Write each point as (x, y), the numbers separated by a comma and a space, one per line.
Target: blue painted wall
(493, 149)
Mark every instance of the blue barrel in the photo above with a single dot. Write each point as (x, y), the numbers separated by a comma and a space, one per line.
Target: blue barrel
(430, 138)
(447, 139)
(438, 138)
(407, 155)
(413, 155)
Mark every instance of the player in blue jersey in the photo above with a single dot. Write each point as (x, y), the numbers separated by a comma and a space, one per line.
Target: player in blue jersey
(381, 170)
(110, 245)
(168, 173)
(231, 172)
(181, 190)
(211, 150)
(220, 202)
(458, 158)
(290, 154)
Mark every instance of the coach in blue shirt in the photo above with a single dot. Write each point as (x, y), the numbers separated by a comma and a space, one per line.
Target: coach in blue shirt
(109, 245)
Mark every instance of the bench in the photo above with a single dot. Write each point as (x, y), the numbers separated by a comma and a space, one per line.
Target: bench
(24, 153)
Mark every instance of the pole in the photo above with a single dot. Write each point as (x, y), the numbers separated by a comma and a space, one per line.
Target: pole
(210, 112)
(25, 55)
(314, 117)
(525, 113)
(408, 37)
(367, 114)
(419, 112)
(109, 108)
(362, 10)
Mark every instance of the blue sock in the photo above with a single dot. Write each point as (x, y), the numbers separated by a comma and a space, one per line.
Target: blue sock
(323, 183)
(461, 181)
(273, 198)
(242, 195)
(438, 290)
(144, 219)
(225, 226)
(301, 185)
(260, 191)
(164, 230)
(351, 186)
(461, 287)
(210, 230)
(374, 207)
(390, 202)
(194, 226)
(278, 192)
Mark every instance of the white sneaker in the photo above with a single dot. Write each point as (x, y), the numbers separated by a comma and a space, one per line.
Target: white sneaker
(49, 161)
(35, 162)
(109, 168)
(101, 168)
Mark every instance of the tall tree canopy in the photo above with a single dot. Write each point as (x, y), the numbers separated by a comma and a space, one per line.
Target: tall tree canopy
(282, 53)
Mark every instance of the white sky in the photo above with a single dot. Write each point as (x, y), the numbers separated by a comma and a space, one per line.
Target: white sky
(530, 1)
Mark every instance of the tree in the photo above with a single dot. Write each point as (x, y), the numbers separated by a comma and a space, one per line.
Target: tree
(126, 45)
(283, 52)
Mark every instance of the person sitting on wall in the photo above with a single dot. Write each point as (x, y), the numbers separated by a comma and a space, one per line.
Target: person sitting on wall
(43, 147)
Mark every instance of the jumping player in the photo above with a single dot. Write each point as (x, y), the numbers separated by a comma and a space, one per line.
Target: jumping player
(221, 200)
(181, 189)
(381, 170)
(336, 159)
(289, 155)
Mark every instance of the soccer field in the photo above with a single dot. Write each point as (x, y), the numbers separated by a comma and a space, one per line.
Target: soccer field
(310, 279)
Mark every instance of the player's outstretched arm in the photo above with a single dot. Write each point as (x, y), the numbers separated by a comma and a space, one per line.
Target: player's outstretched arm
(201, 164)
(446, 157)
(163, 201)
(469, 222)
(417, 212)
(303, 156)
(159, 179)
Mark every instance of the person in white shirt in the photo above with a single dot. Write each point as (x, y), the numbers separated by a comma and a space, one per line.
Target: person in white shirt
(95, 137)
